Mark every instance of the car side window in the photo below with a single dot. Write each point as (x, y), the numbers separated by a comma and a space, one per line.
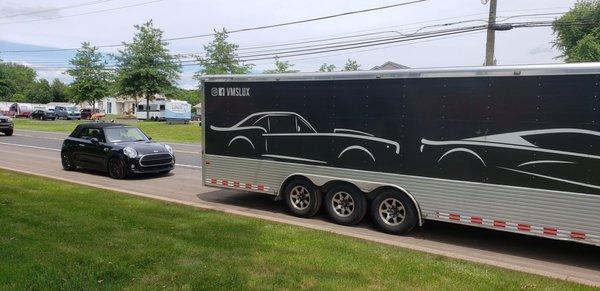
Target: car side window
(302, 127)
(264, 123)
(89, 133)
(283, 124)
(568, 142)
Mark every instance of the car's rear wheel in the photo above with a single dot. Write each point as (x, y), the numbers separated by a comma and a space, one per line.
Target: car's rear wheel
(67, 161)
(302, 197)
(345, 204)
(394, 212)
(116, 168)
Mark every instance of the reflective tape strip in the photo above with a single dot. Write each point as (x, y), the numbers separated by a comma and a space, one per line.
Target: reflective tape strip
(238, 185)
(516, 227)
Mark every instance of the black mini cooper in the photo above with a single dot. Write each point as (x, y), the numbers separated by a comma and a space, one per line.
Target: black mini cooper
(119, 149)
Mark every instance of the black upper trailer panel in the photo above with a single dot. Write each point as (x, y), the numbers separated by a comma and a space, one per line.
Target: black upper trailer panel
(530, 126)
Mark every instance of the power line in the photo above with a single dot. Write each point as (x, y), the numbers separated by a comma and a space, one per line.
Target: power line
(55, 9)
(298, 51)
(240, 30)
(80, 14)
(303, 21)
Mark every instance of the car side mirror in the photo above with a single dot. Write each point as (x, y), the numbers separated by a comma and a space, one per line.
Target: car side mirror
(95, 140)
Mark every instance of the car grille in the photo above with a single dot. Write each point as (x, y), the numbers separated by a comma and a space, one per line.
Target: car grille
(156, 160)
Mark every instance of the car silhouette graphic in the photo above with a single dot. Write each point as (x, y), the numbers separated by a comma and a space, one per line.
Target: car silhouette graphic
(560, 155)
(287, 136)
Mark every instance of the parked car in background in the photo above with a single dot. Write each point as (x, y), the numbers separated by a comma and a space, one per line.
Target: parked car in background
(86, 113)
(67, 112)
(43, 115)
(121, 150)
(6, 125)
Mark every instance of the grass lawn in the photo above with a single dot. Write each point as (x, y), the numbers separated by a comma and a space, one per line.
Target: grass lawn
(56, 235)
(160, 131)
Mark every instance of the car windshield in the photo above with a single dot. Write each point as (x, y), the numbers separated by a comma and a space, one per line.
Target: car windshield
(124, 134)
(71, 109)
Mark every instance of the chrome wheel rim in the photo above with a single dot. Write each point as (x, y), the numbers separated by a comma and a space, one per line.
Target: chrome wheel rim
(392, 211)
(343, 204)
(300, 197)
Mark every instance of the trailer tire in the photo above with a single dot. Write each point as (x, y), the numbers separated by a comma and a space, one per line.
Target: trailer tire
(302, 197)
(345, 204)
(394, 212)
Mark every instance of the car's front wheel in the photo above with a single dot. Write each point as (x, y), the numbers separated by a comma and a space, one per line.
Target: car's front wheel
(116, 168)
(67, 161)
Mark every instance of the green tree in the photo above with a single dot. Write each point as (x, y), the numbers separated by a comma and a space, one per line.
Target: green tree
(5, 89)
(281, 67)
(221, 57)
(145, 67)
(325, 67)
(59, 91)
(578, 32)
(90, 76)
(351, 65)
(18, 79)
(40, 93)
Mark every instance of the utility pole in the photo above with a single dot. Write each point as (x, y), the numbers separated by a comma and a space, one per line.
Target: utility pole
(491, 34)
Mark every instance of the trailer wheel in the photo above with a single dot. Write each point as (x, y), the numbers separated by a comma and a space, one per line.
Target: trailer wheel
(302, 197)
(394, 212)
(345, 204)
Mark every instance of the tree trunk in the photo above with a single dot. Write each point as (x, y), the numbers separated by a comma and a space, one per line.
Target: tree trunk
(147, 107)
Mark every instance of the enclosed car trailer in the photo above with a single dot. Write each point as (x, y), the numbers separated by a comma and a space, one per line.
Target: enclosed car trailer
(513, 148)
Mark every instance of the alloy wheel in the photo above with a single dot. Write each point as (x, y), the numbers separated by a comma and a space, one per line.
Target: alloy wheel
(392, 211)
(343, 204)
(300, 197)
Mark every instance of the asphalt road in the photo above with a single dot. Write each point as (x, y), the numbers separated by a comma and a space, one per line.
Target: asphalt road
(37, 153)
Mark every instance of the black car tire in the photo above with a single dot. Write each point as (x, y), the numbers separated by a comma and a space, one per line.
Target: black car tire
(345, 204)
(400, 204)
(116, 168)
(67, 162)
(302, 197)
(8, 132)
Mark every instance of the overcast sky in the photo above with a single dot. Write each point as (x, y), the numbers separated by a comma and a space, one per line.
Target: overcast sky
(36, 27)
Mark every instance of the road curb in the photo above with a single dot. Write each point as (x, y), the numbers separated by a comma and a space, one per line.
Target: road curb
(251, 213)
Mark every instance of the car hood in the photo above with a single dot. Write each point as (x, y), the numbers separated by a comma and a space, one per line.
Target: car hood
(145, 147)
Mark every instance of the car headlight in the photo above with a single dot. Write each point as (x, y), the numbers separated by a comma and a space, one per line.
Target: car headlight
(169, 149)
(9, 119)
(130, 152)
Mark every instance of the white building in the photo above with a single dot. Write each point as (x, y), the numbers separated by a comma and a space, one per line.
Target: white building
(122, 105)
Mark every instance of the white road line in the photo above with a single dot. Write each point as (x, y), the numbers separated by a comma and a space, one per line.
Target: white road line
(29, 146)
(40, 137)
(57, 150)
(66, 134)
(188, 166)
(52, 138)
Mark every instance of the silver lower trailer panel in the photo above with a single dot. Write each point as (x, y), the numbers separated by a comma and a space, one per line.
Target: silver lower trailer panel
(546, 213)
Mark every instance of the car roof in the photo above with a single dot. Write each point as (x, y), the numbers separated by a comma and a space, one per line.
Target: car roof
(96, 125)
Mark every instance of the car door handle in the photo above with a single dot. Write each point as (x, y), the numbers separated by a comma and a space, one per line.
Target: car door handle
(81, 144)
